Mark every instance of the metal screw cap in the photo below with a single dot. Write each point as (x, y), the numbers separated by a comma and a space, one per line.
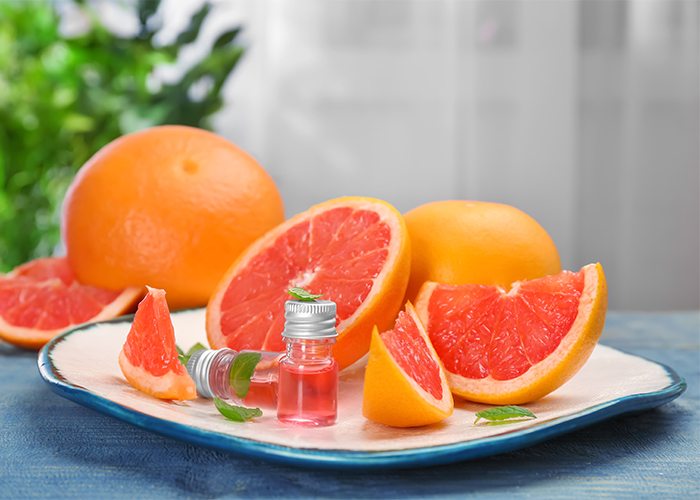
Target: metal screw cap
(309, 319)
(198, 368)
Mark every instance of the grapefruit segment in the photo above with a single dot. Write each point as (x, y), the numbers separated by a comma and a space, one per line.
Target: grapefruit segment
(41, 298)
(516, 346)
(149, 359)
(353, 250)
(405, 385)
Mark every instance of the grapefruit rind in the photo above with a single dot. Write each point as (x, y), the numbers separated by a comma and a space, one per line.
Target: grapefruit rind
(381, 304)
(168, 386)
(391, 397)
(31, 338)
(554, 370)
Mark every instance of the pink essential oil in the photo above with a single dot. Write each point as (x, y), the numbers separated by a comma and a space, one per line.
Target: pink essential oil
(211, 372)
(308, 374)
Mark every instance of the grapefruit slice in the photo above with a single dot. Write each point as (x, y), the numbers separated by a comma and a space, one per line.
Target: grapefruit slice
(353, 250)
(514, 347)
(405, 385)
(40, 299)
(149, 359)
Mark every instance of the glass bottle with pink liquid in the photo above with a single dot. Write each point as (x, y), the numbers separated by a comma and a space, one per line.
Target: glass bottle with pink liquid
(308, 374)
(301, 384)
(211, 372)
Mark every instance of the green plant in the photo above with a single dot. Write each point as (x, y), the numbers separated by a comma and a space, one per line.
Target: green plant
(63, 98)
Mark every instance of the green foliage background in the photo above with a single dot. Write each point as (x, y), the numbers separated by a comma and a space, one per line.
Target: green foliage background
(62, 99)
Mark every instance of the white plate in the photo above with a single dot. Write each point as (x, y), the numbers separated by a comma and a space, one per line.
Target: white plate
(82, 365)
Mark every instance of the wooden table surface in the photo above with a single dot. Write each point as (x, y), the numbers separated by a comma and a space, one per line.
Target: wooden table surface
(51, 447)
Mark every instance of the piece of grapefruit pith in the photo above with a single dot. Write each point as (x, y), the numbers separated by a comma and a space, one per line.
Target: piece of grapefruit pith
(405, 385)
(149, 359)
(355, 251)
(40, 299)
(514, 347)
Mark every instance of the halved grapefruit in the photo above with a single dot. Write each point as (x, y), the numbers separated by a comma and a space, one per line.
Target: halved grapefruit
(405, 385)
(353, 250)
(516, 346)
(149, 359)
(40, 299)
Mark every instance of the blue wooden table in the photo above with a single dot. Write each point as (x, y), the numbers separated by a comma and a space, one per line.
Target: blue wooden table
(51, 447)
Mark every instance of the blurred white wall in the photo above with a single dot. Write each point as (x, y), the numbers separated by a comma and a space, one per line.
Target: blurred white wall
(584, 114)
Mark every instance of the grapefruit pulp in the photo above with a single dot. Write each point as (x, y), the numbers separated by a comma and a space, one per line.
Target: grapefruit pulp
(40, 299)
(405, 385)
(353, 250)
(149, 359)
(516, 346)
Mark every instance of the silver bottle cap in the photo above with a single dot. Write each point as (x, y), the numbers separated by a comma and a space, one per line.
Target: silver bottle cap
(198, 368)
(309, 319)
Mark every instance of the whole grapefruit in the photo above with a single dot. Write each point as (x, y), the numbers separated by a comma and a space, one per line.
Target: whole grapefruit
(170, 207)
(458, 242)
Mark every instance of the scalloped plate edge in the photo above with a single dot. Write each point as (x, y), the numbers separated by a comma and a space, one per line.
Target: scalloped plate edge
(338, 459)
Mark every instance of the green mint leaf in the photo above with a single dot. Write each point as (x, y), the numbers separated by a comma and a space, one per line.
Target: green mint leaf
(194, 348)
(301, 294)
(185, 357)
(504, 413)
(241, 372)
(181, 355)
(236, 413)
(511, 421)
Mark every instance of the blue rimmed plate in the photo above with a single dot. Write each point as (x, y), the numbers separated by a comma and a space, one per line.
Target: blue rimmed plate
(82, 366)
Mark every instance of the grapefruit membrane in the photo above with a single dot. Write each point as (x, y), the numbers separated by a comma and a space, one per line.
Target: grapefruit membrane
(41, 298)
(353, 250)
(405, 385)
(149, 359)
(515, 346)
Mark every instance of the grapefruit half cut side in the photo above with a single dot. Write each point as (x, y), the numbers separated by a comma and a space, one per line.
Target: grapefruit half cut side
(353, 250)
(514, 347)
(149, 359)
(405, 385)
(40, 299)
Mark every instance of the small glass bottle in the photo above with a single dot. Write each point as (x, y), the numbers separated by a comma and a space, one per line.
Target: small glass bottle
(308, 374)
(210, 371)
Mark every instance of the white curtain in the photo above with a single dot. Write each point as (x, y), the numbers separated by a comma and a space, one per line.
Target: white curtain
(584, 114)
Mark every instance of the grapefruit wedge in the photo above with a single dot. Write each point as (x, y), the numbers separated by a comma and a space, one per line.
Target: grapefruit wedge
(516, 346)
(149, 359)
(40, 299)
(355, 251)
(405, 385)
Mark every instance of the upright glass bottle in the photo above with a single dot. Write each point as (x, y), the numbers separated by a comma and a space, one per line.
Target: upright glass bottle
(308, 374)
(211, 371)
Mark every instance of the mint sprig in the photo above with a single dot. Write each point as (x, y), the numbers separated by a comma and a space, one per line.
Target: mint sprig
(185, 357)
(301, 294)
(242, 371)
(236, 413)
(500, 415)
